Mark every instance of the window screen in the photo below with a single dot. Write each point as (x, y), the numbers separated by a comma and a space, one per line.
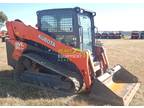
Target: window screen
(59, 23)
(66, 25)
(49, 23)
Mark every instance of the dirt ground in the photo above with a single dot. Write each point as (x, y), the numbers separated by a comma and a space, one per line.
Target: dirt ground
(128, 53)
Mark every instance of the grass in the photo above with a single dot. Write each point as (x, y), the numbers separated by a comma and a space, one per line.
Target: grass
(128, 53)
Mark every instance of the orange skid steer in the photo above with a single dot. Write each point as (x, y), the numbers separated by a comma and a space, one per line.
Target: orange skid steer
(63, 54)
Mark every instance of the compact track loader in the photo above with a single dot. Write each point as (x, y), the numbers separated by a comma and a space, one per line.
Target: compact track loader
(62, 53)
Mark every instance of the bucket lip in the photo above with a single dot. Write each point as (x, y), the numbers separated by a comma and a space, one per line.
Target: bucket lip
(118, 99)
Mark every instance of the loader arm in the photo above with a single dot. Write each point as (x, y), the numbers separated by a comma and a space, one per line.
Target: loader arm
(19, 32)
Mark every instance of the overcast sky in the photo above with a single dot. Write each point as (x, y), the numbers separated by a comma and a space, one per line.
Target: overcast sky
(109, 16)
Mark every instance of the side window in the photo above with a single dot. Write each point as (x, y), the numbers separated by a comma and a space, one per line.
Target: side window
(66, 24)
(49, 23)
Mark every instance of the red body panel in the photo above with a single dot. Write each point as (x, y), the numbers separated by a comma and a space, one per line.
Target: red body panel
(102, 58)
(79, 58)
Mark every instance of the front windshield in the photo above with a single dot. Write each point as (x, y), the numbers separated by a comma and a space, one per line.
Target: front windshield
(85, 25)
(59, 25)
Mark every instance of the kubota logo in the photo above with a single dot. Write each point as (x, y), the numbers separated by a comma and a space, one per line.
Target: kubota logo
(46, 40)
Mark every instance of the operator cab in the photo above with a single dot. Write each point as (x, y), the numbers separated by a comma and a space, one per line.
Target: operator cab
(71, 26)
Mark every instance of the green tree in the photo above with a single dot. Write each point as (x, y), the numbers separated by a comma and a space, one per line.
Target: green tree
(3, 18)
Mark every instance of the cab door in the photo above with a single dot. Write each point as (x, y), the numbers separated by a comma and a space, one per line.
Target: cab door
(85, 32)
